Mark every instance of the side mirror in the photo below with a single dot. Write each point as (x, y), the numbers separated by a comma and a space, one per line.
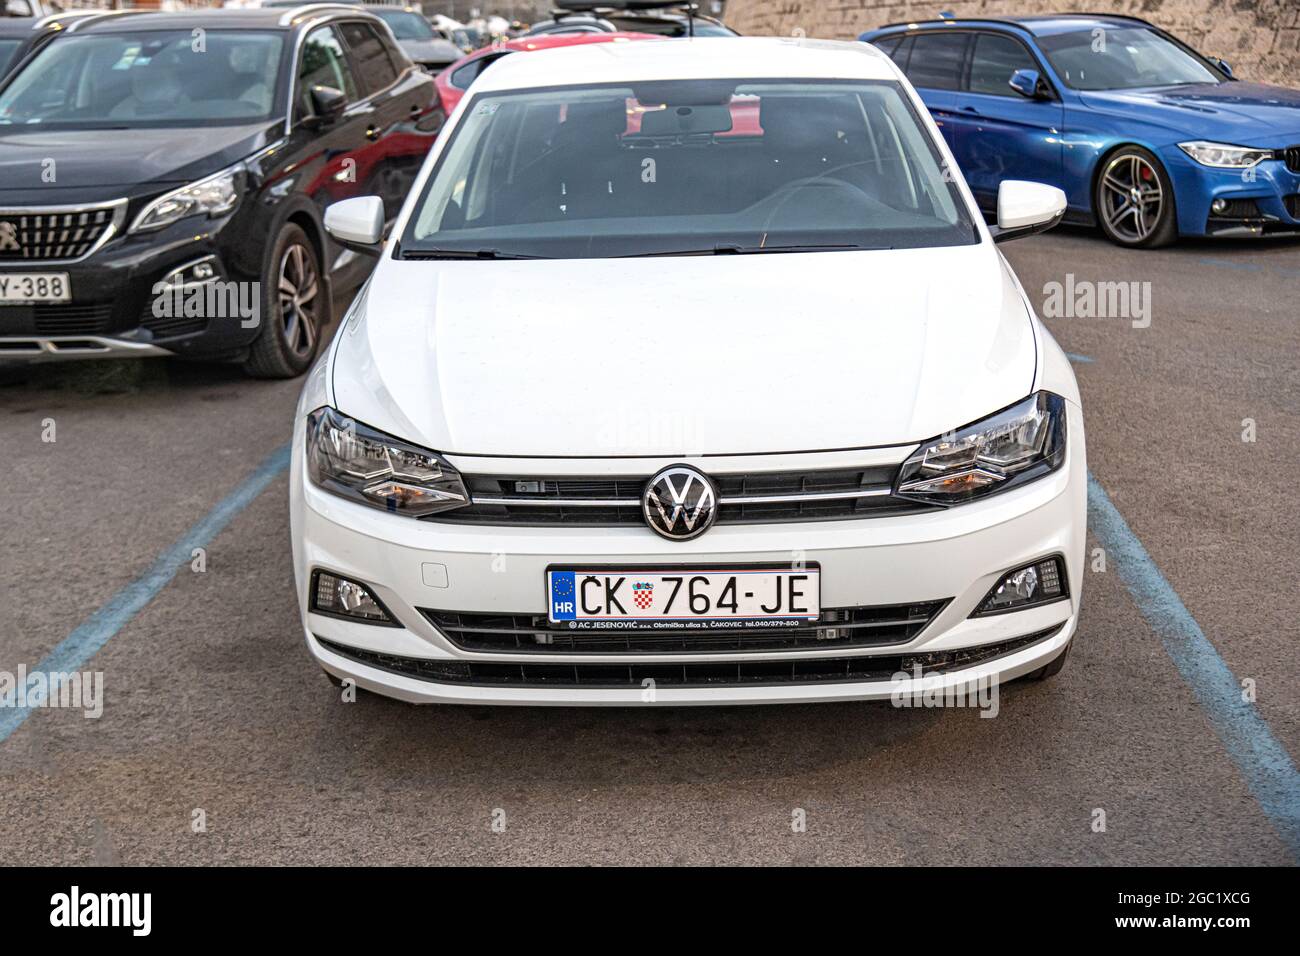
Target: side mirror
(1029, 84)
(357, 224)
(1026, 208)
(1222, 65)
(328, 104)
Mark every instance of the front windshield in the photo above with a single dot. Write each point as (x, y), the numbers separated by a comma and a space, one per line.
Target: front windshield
(406, 26)
(153, 78)
(695, 166)
(1122, 59)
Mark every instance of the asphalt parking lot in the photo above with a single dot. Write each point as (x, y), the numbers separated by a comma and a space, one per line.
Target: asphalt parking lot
(212, 703)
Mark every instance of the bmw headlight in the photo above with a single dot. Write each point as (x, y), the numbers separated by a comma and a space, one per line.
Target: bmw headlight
(355, 461)
(214, 196)
(1222, 156)
(1015, 445)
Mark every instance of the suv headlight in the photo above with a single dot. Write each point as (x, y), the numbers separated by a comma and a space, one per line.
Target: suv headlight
(1009, 448)
(1222, 156)
(215, 196)
(357, 462)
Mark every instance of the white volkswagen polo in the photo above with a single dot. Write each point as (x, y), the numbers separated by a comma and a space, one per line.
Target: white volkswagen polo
(689, 373)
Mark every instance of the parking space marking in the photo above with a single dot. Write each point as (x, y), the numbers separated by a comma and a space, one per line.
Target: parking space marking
(1263, 762)
(1076, 357)
(72, 653)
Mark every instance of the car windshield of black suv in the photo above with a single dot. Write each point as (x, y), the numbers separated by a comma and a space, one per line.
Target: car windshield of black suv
(688, 167)
(150, 78)
(1122, 59)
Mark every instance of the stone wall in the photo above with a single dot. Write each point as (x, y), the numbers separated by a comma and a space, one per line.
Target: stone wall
(1260, 39)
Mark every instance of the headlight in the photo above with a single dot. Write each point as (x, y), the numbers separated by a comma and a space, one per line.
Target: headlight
(1224, 157)
(1018, 444)
(214, 196)
(355, 461)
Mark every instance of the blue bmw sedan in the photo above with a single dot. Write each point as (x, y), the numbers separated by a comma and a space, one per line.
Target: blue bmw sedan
(1149, 139)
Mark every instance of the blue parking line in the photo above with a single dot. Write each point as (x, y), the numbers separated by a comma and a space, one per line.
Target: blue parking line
(72, 653)
(1076, 357)
(1263, 762)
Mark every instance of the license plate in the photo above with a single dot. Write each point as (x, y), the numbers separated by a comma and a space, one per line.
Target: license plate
(682, 598)
(22, 287)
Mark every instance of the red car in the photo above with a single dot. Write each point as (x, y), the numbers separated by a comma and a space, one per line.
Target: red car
(455, 79)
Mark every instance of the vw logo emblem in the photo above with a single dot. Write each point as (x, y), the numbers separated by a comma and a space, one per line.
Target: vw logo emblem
(8, 237)
(680, 503)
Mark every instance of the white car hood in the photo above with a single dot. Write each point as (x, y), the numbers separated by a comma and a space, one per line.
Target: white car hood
(673, 357)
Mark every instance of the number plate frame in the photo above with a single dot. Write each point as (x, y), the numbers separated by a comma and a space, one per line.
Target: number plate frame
(688, 622)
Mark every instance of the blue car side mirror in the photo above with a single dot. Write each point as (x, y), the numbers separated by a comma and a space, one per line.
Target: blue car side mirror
(1028, 83)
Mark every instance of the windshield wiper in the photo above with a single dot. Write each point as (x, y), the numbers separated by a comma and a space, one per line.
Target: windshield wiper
(732, 249)
(464, 254)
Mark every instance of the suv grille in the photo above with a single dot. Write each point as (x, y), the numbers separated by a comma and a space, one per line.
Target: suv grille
(41, 234)
(703, 674)
(1292, 157)
(73, 319)
(533, 634)
(764, 497)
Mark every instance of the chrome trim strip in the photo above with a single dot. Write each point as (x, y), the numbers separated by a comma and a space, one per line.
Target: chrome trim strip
(875, 492)
(287, 18)
(51, 346)
(557, 502)
(118, 206)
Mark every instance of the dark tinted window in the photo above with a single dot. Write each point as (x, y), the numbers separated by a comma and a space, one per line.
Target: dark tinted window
(468, 73)
(371, 56)
(887, 45)
(994, 60)
(323, 64)
(936, 60)
(900, 53)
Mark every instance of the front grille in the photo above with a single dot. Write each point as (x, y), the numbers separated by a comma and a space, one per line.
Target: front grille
(758, 498)
(838, 627)
(703, 674)
(1291, 155)
(73, 319)
(37, 234)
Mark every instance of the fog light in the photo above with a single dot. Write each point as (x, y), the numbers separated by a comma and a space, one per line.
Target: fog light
(1219, 205)
(1039, 583)
(337, 596)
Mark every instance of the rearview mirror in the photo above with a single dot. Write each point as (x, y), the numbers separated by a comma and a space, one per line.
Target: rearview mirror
(1029, 84)
(328, 104)
(1026, 208)
(357, 224)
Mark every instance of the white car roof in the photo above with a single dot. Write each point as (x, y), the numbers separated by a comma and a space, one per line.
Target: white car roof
(703, 58)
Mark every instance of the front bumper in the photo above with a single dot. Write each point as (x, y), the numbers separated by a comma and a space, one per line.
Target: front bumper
(1263, 200)
(955, 555)
(111, 312)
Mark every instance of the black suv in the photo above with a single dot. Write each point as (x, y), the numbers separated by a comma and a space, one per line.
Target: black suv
(163, 178)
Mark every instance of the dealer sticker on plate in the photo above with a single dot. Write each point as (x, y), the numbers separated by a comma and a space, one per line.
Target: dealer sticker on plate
(684, 599)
